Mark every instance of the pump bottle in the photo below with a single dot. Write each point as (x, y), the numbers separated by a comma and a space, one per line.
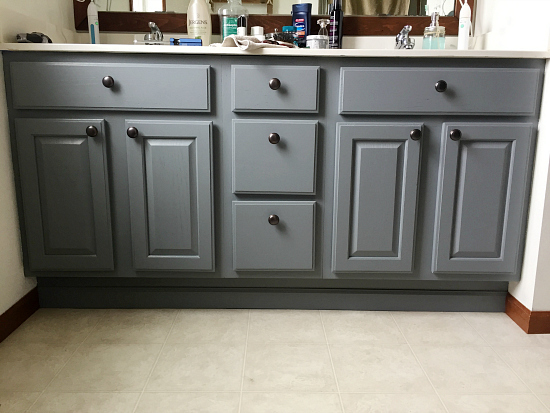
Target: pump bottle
(199, 21)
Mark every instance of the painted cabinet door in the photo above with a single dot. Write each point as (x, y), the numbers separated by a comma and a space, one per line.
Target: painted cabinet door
(170, 178)
(377, 169)
(65, 193)
(484, 181)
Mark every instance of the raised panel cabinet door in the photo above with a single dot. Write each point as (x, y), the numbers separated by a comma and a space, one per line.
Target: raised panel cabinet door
(376, 185)
(484, 179)
(170, 180)
(65, 194)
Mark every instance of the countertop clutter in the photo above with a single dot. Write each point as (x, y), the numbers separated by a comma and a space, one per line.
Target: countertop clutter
(130, 48)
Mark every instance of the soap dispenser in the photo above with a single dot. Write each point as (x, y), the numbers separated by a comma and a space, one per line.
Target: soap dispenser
(434, 34)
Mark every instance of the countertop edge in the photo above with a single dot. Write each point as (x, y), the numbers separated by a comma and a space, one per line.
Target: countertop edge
(146, 49)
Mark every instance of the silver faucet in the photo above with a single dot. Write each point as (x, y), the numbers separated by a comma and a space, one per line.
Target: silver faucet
(402, 40)
(155, 35)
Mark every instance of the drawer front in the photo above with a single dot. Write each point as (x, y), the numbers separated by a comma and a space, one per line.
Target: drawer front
(136, 86)
(259, 244)
(274, 157)
(298, 90)
(413, 91)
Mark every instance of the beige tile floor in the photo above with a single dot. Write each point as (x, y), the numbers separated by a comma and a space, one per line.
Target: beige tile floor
(272, 361)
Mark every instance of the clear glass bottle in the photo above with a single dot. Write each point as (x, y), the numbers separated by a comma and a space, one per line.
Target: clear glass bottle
(434, 34)
(323, 31)
(229, 16)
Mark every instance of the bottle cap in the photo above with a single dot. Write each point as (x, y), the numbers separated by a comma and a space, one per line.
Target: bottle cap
(256, 30)
(301, 7)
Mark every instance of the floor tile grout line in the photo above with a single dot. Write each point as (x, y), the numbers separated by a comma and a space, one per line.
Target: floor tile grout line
(244, 361)
(419, 363)
(507, 365)
(332, 362)
(156, 360)
(66, 362)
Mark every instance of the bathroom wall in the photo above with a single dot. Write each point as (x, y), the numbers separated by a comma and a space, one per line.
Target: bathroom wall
(533, 291)
(55, 18)
(512, 24)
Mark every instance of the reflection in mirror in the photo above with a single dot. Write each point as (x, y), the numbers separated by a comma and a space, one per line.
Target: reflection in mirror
(351, 7)
(146, 5)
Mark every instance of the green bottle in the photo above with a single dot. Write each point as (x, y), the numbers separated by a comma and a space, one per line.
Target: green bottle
(229, 16)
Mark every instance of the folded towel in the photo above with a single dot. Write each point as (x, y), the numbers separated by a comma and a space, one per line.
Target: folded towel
(244, 43)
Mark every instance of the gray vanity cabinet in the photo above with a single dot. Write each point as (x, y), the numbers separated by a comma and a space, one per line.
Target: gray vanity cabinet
(65, 194)
(170, 188)
(376, 185)
(481, 203)
(246, 180)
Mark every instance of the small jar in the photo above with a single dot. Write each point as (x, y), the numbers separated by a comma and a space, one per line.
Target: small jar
(317, 42)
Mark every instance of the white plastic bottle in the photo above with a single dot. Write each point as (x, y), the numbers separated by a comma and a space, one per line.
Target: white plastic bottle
(199, 21)
(464, 24)
(93, 23)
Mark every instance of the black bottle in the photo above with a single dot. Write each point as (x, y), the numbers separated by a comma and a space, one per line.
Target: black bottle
(335, 27)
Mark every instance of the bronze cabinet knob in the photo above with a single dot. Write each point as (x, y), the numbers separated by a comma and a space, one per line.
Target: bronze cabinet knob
(273, 219)
(416, 134)
(274, 138)
(441, 86)
(108, 82)
(455, 134)
(274, 83)
(132, 132)
(91, 131)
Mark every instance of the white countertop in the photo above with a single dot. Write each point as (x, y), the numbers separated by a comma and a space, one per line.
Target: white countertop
(130, 48)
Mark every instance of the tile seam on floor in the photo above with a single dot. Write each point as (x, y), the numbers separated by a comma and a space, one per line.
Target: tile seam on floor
(156, 361)
(66, 362)
(507, 365)
(244, 363)
(332, 362)
(419, 363)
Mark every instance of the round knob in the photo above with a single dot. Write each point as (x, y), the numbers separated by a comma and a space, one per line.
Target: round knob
(441, 86)
(274, 83)
(132, 132)
(274, 138)
(108, 82)
(91, 131)
(273, 219)
(456, 134)
(416, 134)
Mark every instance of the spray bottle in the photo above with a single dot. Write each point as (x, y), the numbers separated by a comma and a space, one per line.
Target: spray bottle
(93, 23)
(464, 24)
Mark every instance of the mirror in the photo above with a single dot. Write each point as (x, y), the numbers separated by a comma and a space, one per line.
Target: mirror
(176, 22)
(351, 7)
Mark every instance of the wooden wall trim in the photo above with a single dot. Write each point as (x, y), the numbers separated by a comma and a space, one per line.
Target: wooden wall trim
(532, 322)
(136, 22)
(18, 313)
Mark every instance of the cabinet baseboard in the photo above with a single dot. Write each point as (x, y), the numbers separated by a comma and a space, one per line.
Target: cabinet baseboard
(275, 298)
(18, 313)
(532, 322)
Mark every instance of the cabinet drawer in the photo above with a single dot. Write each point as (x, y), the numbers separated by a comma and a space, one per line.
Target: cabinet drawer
(136, 86)
(413, 91)
(275, 88)
(274, 157)
(259, 244)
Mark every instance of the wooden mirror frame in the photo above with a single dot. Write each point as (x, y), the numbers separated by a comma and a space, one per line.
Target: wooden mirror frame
(137, 22)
